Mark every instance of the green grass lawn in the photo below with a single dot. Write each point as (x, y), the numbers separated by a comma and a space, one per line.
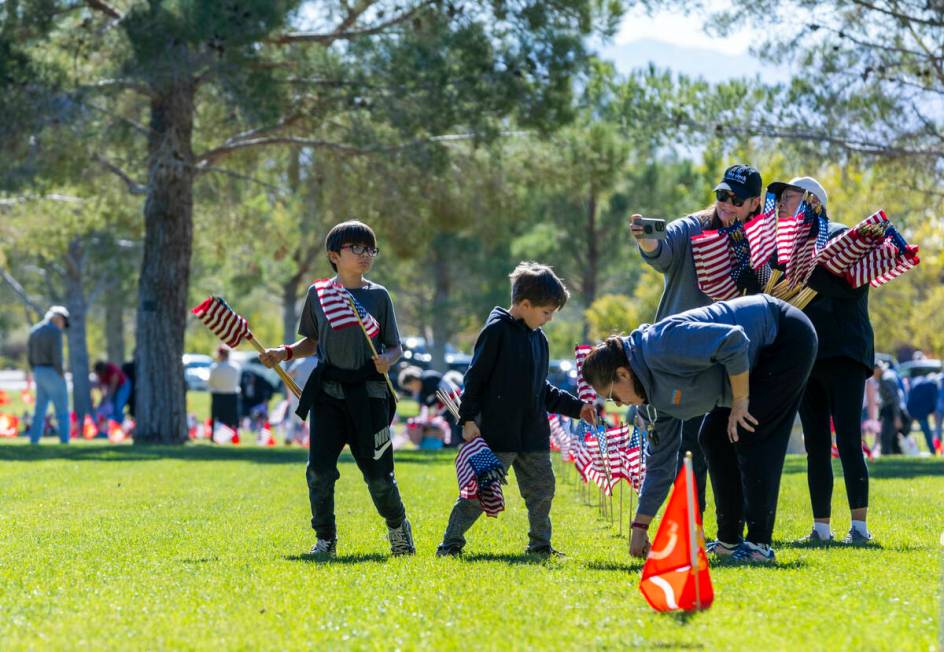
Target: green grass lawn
(124, 547)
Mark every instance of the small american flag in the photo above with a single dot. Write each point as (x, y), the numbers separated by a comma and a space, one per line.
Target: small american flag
(842, 252)
(584, 390)
(761, 232)
(558, 436)
(713, 267)
(481, 474)
(635, 458)
(617, 440)
(339, 307)
(801, 249)
(222, 321)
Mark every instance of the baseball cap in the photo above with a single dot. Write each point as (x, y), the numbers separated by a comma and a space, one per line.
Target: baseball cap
(809, 184)
(743, 180)
(62, 311)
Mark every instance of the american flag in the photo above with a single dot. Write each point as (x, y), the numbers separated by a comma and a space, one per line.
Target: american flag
(740, 249)
(802, 250)
(761, 232)
(583, 461)
(337, 302)
(843, 251)
(481, 474)
(584, 390)
(712, 257)
(617, 440)
(635, 456)
(222, 321)
(558, 436)
(882, 264)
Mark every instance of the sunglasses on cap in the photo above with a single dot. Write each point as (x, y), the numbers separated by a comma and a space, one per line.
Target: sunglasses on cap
(729, 197)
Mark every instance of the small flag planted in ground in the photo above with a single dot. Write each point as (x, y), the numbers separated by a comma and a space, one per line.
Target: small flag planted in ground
(584, 391)
(675, 575)
(27, 397)
(4, 399)
(9, 425)
(265, 435)
(339, 307)
(224, 434)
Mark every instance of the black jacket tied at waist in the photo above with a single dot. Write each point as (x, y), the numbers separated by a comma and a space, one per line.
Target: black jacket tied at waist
(366, 414)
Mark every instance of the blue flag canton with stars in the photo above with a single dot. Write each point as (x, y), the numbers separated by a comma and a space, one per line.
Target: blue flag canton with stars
(487, 467)
(739, 247)
(770, 202)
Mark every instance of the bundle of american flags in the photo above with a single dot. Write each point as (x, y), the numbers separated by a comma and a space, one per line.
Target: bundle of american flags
(584, 391)
(481, 474)
(872, 252)
(341, 308)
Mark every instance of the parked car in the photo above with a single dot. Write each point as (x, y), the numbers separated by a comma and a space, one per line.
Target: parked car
(563, 375)
(416, 353)
(196, 371)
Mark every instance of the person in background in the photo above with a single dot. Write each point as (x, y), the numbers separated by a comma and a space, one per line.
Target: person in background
(922, 403)
(422, 387)
(44, 352)
(115, 388)
(224, 389)
(889, 411)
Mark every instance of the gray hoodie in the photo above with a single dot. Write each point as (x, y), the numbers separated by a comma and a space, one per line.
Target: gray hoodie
(673, 257)
(683, 363)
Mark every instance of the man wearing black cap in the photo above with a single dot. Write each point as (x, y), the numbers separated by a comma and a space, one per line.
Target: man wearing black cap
(44, 350)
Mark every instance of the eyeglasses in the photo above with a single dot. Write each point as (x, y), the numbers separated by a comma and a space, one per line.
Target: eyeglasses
(360, 250)
(609, 397)
(729, 197)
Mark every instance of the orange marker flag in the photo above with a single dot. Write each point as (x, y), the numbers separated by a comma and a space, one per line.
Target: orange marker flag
(4, 399)
(668, 580)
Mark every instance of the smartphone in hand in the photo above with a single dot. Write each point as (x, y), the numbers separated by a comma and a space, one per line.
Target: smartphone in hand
(653, 228)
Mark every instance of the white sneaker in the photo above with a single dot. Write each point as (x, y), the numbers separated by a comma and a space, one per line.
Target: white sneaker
(720, 548)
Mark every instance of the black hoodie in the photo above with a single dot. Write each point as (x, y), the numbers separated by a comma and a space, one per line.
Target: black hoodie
(506, 388)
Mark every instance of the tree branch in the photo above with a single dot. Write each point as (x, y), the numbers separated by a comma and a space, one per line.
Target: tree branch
(343, 32)
(897, 14)
(104, 7)
(21, 293)
(242, 177)
(134, 187)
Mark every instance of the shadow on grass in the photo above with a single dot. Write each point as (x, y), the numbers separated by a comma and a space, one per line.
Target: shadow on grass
(508, 558)
(777, 566)
(102, 452)
(842, 547)
(884, 467)
(618, 566)
(200, 560)
(374, 557)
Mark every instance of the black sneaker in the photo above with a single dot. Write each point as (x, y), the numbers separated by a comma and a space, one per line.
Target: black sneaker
(544, 551)
(401, 540)
(443, 550)
(324, 548)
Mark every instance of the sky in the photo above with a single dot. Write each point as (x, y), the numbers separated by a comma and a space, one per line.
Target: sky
(673, 40)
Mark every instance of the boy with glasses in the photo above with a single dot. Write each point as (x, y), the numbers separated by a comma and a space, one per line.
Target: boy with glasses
(347, 392)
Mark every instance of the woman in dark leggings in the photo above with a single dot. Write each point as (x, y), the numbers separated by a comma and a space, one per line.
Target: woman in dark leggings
(836, 386)
(744, 362)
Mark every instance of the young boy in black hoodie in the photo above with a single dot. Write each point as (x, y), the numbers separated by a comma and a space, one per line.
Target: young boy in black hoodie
(506, 398)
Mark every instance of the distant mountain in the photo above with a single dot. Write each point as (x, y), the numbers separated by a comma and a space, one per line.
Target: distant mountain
(696, 62)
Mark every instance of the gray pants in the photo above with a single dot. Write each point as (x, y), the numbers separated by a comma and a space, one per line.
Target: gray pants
(535, 482)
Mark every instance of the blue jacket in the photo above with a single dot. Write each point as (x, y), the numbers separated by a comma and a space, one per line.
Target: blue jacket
(683, 362)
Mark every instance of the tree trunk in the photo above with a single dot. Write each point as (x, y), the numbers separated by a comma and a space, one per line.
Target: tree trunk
(440, 317)
(165, 270)
(591, 267)
(289, 314)
(114, 322)
(76, 333)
